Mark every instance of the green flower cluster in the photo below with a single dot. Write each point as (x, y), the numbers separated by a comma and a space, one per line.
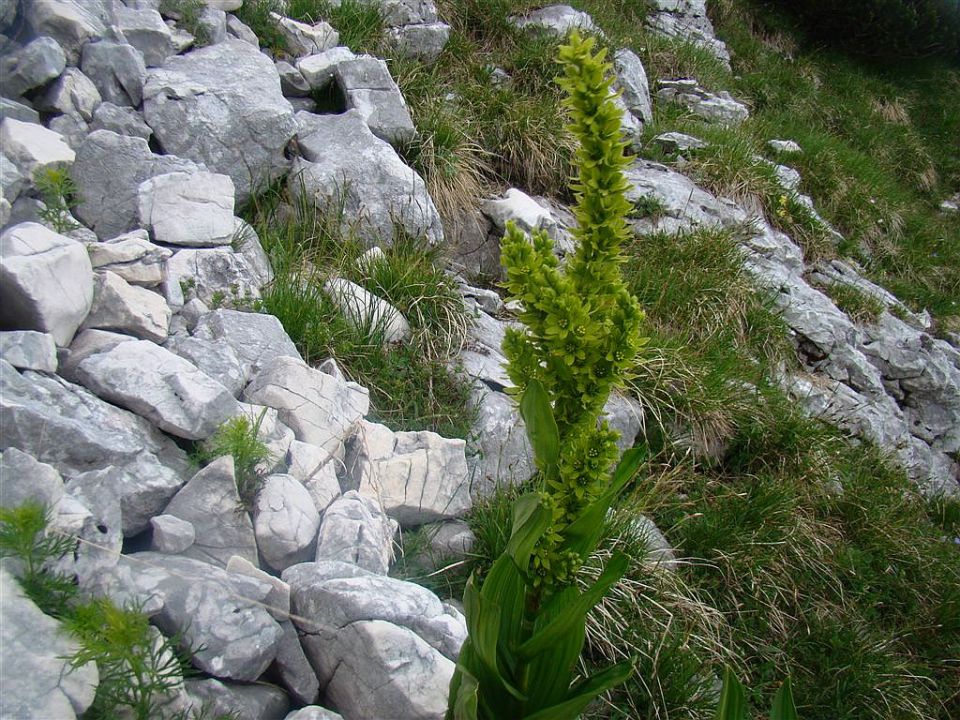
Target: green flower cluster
(582, 326)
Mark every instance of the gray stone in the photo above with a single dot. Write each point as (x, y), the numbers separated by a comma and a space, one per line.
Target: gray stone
(368, 313)
(91, 435)
(131, 256)
(416, 477)
(222, 106)
(192, 312)
(171, 534)
(659, 550)
(624, 415)
(255, 338)
(12, 180)
(316, 469)
(32, 66)
(632, 83)
(314, 712)
(16, 110)
(8, 14)
(72, 94)
(91, 511)
(687, 20)
(191, 209)
(675, 142)
(320, 69)
(126, 308)
(449, 541)
(213, 20)
(521, 209)
(217, 276)
(35, 669)
(216, 359)
(322, 605)
(72, 128)
(355, 530)
(320, 409)
(344, 164)
(302, 39)
(217, 613)
(717, 107)
(160, 386)
(121, 120)
(237, 29)
(292, 82)
(29, 350)
(278, 599)
(784, 146)
(260, 701)
(24, 479)
(556, 20)
(72, 23)
(47, 281)
(117, 69)
(211, 503)
(108, 170)
(498, 449)
(296, 674)
(369, 89)
(31, 147)
(285, 522)
(145, 30)
(423, 41)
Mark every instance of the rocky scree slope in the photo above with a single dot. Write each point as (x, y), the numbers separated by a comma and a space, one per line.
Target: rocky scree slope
(117, 350)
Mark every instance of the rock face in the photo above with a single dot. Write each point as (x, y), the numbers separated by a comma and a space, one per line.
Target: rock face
(356, 531)
(46, 281)
(35, 669)
(687, 20)
(119, 306)
(285, 522)
(369, 89)
(162, 387)
(344, 163)
(416, 477)
(221, 105)
(366, 311)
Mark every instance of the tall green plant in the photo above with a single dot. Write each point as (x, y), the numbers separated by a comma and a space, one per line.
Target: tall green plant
(581, 333)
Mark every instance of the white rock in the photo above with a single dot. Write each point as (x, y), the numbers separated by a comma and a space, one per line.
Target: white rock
(784, 146)
(285, 522)
(319, 69)
(423, 41)
(160, 386)
(368, 313)
(24, 479)
(316, 469)
(194, 209)
(32, 147)
(72, 23)
(35, 64)
(556, 20)
(632, 83)
(417, 477)
(46, 281)
(217, 276)
(171, 534)
(145, 30)
(131, 256)
(29, 350)
(523, 210)
(72, 94)
(122, 307)
(302, 39)
(355, 530)
(117, 69)
(278, 600)
(320, 409)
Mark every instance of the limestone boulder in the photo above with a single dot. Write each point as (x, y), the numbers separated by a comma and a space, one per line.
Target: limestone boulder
(160, 386)
(72, 23)
(222, 106)
(32, 147)
(421, 41)
(354, 530)
(285, 522)
(195, 209)
(117, 69)
(46, 281)
(144, 29)
(126, 308)
(556, 20)
(32, 66)
(29, 350)
(259, 701)
(72, 94)
(171, 534)
(121, 120)
(367, 312)
(631, 81)
(132, 257)
(368, 87)
(343, 162)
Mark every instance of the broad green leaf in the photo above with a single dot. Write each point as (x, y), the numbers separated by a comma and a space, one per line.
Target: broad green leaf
(549, 674)
(583, 694)
(484, 615)
(574, 612)
(733, 701)
(530, 520)
(783, 706)
(541, 427)
(465, 700)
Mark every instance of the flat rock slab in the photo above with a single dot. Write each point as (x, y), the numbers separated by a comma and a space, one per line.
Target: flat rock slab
(215, 611)
(34, 661)
(29, 350)
(344, 162)
(160, 386)
(33, 147)
(192, 209)
(222, 105)
(46, 281)
(91, 435)
(126, 308)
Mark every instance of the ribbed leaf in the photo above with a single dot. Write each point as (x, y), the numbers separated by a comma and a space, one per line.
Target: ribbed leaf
(783, 706)
(463, 696)
(541, 427)
(733, 701)
(574, 612)
(584, 693)
(502, 588)
(530, 520)
(549, 674)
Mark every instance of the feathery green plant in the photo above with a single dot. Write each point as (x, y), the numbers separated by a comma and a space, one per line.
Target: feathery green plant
(527, 623)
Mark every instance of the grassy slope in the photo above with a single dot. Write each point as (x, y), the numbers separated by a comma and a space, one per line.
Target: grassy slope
(799, 554)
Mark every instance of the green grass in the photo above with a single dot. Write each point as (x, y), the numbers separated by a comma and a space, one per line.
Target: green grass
(413, 385)
(860, 306)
